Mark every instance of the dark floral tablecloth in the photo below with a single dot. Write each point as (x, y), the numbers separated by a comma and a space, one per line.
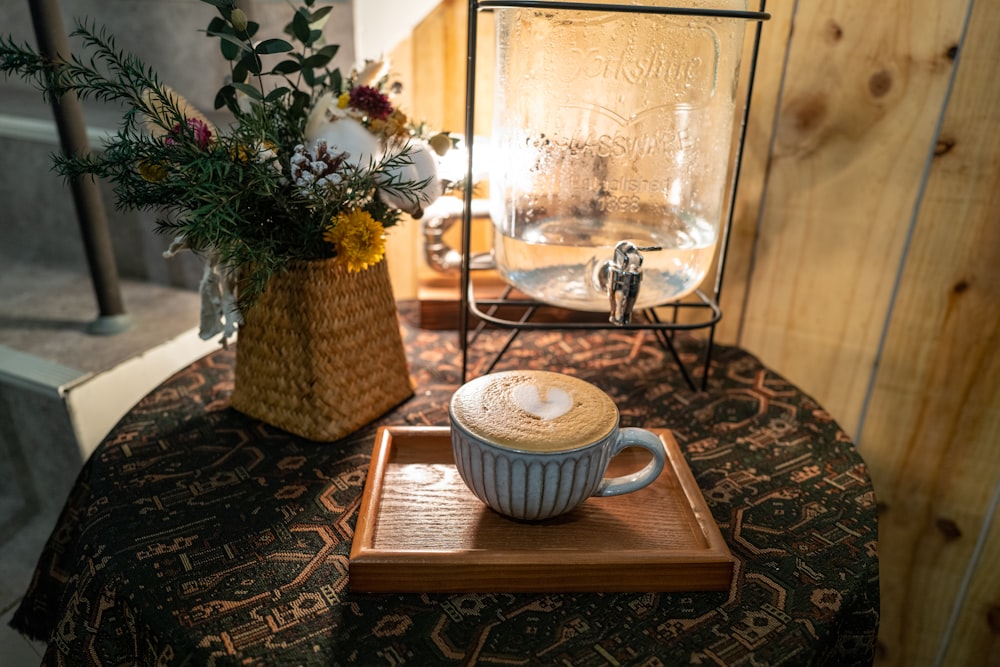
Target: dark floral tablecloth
(198, 536)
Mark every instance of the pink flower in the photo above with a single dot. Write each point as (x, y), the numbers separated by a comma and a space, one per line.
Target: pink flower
(198, 129)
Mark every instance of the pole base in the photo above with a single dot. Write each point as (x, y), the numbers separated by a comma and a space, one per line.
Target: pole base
(110, 325)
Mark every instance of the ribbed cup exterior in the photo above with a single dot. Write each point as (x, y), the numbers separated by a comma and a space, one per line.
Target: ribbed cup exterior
(529, 485)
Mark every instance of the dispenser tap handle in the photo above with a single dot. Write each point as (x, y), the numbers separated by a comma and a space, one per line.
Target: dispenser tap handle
(624, 280)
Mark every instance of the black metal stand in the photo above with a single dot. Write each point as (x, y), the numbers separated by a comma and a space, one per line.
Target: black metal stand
(706, 306)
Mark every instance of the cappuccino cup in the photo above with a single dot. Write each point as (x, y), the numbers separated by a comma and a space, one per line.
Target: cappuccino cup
(535, 444)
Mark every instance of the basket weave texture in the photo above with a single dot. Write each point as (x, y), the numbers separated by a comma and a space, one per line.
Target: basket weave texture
(320, 354)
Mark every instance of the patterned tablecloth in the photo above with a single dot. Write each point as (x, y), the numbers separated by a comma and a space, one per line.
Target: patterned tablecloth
(198, 536)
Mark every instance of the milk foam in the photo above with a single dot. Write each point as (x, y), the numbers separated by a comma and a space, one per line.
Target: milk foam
(534, 410)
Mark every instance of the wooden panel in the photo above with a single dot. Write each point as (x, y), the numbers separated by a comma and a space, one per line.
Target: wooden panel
(775, 34)
(932, 436)
(863, 92)
(430, 65)
(975, 639)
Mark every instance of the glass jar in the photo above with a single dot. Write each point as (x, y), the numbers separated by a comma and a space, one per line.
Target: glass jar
(611, 127)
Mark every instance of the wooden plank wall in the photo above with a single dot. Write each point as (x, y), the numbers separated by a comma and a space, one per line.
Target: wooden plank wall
(865, 267)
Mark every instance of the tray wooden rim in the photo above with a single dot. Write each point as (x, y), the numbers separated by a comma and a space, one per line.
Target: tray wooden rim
(380, 570)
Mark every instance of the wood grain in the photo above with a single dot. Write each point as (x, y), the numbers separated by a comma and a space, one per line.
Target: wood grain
(936, 463)
(862, 94)
(756, 155)
(421, 529)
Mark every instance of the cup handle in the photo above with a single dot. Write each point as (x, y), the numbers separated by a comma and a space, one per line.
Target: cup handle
(634, 437)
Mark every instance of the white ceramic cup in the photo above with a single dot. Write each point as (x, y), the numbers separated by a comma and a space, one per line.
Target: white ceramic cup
(535, 444)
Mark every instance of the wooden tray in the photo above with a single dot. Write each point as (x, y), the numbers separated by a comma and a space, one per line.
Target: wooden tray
(421, 530)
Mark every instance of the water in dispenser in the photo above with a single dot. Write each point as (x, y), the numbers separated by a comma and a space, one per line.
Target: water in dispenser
(610, 151)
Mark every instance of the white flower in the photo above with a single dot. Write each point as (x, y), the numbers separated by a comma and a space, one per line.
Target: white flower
(325, 110)
(346, 135)
(421, 165)
(267, 154)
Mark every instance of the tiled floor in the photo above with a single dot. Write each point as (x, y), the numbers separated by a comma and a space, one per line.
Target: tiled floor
(44, 313)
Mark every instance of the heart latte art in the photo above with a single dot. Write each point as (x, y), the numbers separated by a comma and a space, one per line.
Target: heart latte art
(555, 403)
(534, 410)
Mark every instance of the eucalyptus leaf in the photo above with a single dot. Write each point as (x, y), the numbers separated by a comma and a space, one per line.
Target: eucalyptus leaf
(229, 37)
(221, 99)
(226, 97)
(316, 60)
(320, 14)
(250, 91)
(229, 50)
(252, 62)
(277, 93)
(286, 67)
(231, 45)
(217, 24)
(240, 72)
(317, 20)
(269, 46)
(300, 26)
(329, 50)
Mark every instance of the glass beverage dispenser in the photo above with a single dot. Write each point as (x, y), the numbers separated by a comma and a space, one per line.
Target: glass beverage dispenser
(613, 127)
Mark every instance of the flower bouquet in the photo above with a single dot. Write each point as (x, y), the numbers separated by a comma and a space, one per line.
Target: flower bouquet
(288, 204)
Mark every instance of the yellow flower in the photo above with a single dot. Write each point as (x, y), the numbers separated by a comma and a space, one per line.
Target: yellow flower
(260, 152)
(343, 100)
(241, 153)
(358, 237)
(151, 171)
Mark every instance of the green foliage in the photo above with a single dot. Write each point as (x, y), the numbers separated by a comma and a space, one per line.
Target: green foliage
(230, 197)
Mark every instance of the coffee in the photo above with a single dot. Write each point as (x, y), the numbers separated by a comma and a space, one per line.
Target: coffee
(537, 411)
(534, 444)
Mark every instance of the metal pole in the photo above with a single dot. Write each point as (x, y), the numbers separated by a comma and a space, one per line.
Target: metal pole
(470, 117)
(91, 216)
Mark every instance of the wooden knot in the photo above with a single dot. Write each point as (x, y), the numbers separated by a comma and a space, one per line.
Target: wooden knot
(949, 529)
(834, 32)
(809, 112)
(880, 83)
(943, 146)
(993, 619)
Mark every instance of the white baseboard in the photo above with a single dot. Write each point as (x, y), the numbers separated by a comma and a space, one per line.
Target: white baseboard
(95, 402)
(45, 131)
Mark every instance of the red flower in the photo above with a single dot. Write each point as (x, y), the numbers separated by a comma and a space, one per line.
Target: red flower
(371, 102)
(198, 130)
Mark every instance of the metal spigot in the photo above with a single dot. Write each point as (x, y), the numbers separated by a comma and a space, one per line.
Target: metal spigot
(622, 276)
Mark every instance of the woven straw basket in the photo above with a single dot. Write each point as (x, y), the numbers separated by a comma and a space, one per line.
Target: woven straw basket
(320, 354)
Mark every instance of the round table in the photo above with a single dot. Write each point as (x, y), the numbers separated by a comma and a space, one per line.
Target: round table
(196, 535)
